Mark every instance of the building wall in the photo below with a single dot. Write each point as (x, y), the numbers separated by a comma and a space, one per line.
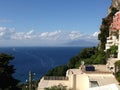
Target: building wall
(111, 40)
(75, 82)
(82, 82)
(48, 83)
(110, 63)
(103, 79)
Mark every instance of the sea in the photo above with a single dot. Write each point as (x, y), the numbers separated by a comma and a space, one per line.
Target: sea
(38, 60)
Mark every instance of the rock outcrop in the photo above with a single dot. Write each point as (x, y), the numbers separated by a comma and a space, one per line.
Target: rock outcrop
(116, 4)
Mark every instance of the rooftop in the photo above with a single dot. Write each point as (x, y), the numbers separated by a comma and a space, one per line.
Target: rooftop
(101, 69)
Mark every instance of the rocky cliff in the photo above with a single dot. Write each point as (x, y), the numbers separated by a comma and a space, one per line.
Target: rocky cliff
(115, 4)
(106, 22)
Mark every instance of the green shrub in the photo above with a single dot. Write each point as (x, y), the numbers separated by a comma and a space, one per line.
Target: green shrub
(59, 87)
(57, 71)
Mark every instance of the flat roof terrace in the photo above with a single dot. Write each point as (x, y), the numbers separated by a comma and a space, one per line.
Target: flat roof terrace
(96, 69)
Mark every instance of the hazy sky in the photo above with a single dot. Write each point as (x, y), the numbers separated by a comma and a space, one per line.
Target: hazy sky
(47, 22)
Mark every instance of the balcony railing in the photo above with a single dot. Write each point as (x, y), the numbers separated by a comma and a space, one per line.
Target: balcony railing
(55, 78)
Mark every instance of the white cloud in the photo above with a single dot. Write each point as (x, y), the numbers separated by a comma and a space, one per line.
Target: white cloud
(5, 21)
(45, 34)
(19, 36)
(22, 35)
(29, 35)
(6, 33)
(49, 38)
(30, 32)
(50, 35)
(96, 34)
(75, 35)
(2, 31)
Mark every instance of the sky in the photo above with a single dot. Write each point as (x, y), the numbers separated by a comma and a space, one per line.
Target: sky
(50, 22)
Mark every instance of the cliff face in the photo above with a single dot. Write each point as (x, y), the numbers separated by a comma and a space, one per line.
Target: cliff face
(106, 22)
(116, 4)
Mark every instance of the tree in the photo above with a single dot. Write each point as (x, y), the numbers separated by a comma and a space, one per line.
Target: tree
(112, 52)
(57, 71)
(7, 82)
(117, 70)
(87, 52)
(99, 59)
(117, 65)
(59, 87)
(72, 62)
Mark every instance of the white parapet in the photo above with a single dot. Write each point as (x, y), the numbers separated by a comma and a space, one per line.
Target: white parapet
(119, 46)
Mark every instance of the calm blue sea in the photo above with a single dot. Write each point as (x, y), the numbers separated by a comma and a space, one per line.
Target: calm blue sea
(38, 59)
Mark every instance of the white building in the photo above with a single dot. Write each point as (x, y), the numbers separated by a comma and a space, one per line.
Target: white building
(111, 40)
(80, 79)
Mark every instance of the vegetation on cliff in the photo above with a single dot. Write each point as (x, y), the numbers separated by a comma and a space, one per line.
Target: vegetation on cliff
(58, 71)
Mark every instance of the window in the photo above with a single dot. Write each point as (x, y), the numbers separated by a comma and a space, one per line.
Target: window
(94, 84)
